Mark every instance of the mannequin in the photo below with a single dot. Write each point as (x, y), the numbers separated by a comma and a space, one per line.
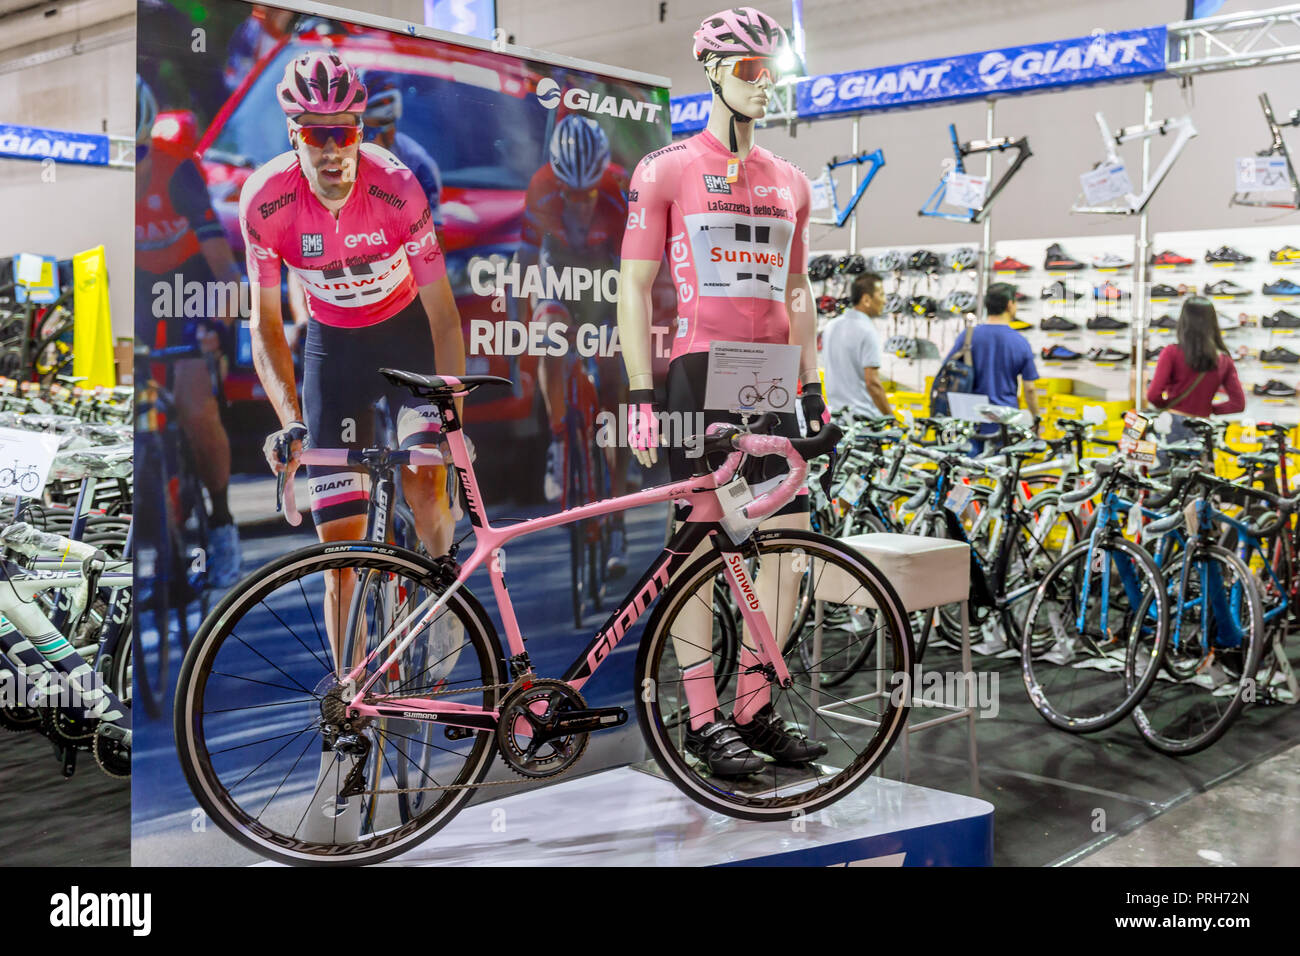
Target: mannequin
(709, 201)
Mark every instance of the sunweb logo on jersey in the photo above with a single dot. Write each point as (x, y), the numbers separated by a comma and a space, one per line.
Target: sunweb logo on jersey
(550, 95)
(823, 91)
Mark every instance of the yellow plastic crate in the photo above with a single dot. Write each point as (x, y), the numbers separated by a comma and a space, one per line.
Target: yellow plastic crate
(1047, 387)
(1071, 406)
(916, 402)
(1234, 439)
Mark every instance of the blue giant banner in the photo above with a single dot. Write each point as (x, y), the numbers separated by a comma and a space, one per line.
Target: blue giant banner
(1102, 58)
(30, 142)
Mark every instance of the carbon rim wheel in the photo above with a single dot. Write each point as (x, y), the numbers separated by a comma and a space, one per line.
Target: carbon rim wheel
(858, 723)
(259, 685)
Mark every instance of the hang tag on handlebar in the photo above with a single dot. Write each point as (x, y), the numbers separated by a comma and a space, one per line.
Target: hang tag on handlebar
(733, 496)
(958, 498)
(1192, 518)
(1134, 523)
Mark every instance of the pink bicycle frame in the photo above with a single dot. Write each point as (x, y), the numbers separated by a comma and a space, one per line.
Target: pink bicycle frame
(489, 542)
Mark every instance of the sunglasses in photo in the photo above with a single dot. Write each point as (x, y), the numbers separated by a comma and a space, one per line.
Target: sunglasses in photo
(317, 136)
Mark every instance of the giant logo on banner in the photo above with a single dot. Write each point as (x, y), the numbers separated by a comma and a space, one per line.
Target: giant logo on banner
(1021, 69)
(30, 142)
(1092, 59)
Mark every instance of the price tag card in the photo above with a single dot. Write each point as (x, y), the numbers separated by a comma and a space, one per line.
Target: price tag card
(733, 496)
(1144, 452)
(28, 267)
(1108, 181)
(958, 498)
(853, 489)
(25, 460)
(752, 377)
(1135, 425)
(821, 191)
(963, 189)
(1261, 174)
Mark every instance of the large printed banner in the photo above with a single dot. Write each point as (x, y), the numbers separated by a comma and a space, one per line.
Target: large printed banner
(532, 262)
(1103, 58)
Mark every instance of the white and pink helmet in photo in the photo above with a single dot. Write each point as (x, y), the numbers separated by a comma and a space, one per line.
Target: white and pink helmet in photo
(740, 31)
(319, 81)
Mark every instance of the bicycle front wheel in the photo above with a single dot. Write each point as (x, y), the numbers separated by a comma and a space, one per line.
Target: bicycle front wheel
(263, 735)
(1207, 672)
(858, 722)
(1093, 609)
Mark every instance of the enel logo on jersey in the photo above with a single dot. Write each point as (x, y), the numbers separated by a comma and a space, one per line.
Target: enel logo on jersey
(369, 238)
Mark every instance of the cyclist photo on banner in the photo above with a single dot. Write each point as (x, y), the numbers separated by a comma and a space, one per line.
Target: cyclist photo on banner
(180, 241)
(574, 213)
(680, 193)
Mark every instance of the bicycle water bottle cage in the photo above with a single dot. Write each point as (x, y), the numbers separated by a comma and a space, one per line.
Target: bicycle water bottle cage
(960, 150)
(1277, 147)
(840, 216)
(1134, 203)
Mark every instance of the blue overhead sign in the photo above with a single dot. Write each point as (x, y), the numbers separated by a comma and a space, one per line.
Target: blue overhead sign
(30, 142)
(1102, 58)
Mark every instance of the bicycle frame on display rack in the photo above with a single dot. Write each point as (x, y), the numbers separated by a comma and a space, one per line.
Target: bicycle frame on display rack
(1277, 147)
(960, 151)
(841, 216)
(1135, 203)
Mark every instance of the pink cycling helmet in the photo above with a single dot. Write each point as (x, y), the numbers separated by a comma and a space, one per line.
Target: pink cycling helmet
(740, 31)
(319, 81)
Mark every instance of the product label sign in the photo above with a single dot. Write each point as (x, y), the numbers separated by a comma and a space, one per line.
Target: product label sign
(963, 189)
(1261, 174)
(821, 192)
(1108, 181)
(958, 498)
(25, 460)
(751, 377)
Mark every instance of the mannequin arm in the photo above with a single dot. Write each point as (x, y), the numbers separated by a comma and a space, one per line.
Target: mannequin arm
(636, 277)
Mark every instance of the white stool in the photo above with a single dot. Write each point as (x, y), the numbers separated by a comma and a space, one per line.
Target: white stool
(927, 573)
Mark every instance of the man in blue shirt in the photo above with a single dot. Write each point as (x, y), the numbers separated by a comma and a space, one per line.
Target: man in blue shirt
(1002, 359)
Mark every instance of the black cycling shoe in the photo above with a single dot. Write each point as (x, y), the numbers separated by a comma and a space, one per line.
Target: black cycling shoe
(1165, 322)
(783, 742)
(1279, 355)
(723, 749)
(1227, 254)
(1057, 323)
(1106, 323)
(1281, 319)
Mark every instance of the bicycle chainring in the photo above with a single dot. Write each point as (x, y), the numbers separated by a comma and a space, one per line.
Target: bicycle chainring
(113, 758)
(19, 719)
(525, 735)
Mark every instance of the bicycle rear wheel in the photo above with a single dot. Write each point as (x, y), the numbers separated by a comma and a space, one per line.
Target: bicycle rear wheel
(263, 733)
(859, 722)
(1207, 672)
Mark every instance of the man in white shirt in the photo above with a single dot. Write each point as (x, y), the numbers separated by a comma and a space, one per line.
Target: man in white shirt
(851, 351)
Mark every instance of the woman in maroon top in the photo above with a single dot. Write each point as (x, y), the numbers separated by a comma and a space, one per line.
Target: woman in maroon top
(1200, 352)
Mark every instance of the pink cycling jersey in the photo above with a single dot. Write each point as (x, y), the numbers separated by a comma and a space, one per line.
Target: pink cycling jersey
(731, 245)
(358, 269)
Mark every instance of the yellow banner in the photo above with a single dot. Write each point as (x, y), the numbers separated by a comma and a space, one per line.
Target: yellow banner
(92, 328)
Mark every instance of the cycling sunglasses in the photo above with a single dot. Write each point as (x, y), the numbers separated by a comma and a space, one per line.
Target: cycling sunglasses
(317, 136)
(752, 69)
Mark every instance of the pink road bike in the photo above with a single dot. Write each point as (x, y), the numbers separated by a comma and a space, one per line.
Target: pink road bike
(309, 759)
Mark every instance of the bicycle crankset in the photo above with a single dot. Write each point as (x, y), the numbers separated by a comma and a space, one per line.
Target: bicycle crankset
(544, 727)
(113, 758)
(19, 719)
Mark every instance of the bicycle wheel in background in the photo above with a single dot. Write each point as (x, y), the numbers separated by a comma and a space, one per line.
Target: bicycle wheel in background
(847, 644)
(1206, 674)
(857, 724)
(1075, 675)
(259, 685)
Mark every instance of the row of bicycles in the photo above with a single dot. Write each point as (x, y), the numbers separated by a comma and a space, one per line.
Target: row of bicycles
(65, 577)
(36, 338)
(1164, 594)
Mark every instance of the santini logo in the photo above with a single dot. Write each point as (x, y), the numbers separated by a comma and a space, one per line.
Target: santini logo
(717, 184)
(550, 96)
(77, 909)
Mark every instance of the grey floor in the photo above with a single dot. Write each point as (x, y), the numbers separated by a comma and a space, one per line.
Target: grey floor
(1252, 819)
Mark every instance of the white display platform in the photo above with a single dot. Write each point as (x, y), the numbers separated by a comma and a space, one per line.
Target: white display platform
(624, 817)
